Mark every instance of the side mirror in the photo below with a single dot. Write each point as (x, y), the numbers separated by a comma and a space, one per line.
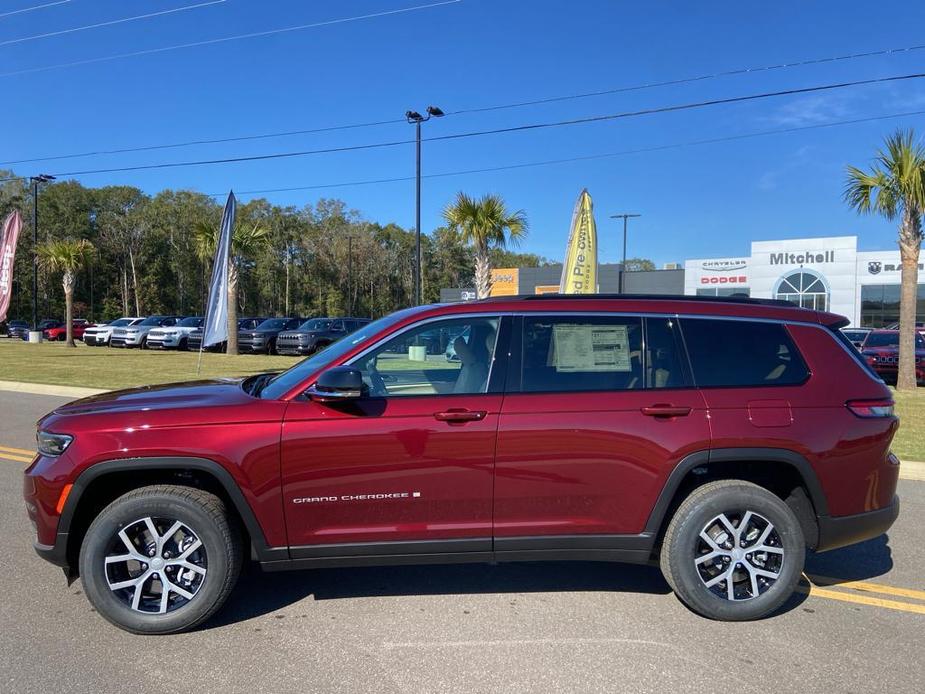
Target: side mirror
(338, 384)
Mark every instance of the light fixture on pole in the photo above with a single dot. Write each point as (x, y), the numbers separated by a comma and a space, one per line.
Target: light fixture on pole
(624, 217)
(416, 118)
(41, 178)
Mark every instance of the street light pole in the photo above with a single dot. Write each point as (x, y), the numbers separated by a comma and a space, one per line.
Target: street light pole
(624, 217)
(41, 178)
(416, 118)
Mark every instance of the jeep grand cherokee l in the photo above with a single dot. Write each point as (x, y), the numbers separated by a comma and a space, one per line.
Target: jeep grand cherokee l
(718, 438)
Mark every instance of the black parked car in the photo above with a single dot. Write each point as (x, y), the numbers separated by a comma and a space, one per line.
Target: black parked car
(17, 328)
(195, 338)
(315, 334)
(263, 337)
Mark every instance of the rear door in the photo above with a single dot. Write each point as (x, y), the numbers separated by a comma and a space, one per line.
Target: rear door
(599, 410)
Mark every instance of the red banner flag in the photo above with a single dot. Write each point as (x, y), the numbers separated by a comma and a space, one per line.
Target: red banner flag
(11, 226)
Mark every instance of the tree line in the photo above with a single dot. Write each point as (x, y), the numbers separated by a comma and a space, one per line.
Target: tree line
(147, 255)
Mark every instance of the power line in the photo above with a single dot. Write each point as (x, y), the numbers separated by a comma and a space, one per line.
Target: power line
(225, 39)
(223, 140)
(496, 131)
(589, 157)
(496, 107)
(33, 8)
(124, 20)
(688, 80)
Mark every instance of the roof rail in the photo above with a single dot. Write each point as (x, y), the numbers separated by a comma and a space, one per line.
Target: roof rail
(650, 297)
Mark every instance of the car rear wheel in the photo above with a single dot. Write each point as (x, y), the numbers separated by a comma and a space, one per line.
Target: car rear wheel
(160, 559)
(733, 551)
(184, 345)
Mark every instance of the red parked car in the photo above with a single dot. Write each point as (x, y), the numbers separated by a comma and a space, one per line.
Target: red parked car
(881, 350)
(718, 438)
(58, 332)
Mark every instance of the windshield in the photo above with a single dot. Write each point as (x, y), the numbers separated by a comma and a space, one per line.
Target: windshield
(273, 324)
(152, 320)
(190, 322)
(889, 339)
(287, 380)
(316, 324)
(120, 322)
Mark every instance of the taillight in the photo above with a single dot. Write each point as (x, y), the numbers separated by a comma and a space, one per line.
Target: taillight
(871, 408)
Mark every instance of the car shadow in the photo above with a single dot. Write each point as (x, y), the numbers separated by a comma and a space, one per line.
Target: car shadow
(858, 562)
(259, 593)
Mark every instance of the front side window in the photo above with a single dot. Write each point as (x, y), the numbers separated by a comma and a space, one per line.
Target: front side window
(742, 353)
(582, 353)
(417, 361)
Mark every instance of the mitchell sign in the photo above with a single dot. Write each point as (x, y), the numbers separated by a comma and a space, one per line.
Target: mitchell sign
(802, 258)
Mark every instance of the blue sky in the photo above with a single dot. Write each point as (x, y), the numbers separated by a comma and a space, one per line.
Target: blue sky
(696, 201)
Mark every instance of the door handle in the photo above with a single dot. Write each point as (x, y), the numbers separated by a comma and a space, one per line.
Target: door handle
(666, 411)
(460, 415)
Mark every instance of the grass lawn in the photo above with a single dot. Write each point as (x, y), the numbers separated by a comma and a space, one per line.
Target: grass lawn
(909, 443)
(103, 367)
(111, 368)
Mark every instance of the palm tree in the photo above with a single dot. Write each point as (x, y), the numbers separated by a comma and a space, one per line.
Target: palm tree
(895, 187)
(68, 257)
(246, 240)
(484, 224)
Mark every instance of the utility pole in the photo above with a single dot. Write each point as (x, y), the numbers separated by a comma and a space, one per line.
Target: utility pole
(41, 178)
(624, 217)
(416, 118)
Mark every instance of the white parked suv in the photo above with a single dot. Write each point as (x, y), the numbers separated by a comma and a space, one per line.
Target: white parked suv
(174, 336)
(137, 335)
(99, 335)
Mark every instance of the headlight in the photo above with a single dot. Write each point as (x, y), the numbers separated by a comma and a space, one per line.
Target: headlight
(52, 444)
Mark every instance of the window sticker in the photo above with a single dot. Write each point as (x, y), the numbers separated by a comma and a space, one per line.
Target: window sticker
(591, 348)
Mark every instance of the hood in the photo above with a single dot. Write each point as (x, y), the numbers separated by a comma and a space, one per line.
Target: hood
(192, 394)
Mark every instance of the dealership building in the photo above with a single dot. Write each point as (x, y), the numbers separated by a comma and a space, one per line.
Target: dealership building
(826, 273)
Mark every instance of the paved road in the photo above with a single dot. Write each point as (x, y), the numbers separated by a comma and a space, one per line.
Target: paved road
(515, 628)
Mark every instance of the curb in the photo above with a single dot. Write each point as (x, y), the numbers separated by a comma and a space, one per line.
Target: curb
(47, 389)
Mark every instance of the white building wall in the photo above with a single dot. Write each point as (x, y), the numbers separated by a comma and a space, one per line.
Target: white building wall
(834, 258)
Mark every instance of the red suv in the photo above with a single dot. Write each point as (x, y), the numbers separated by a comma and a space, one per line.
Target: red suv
(58, 332)
(881, 350)
(717, 437)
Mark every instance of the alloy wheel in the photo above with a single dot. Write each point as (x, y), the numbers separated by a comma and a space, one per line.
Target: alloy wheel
(155, 565)
(739, 555)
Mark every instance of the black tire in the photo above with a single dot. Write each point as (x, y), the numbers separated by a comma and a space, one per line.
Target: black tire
(683, 545)
(184, 345)
(144, 343)
(200, 511)
(271, 347)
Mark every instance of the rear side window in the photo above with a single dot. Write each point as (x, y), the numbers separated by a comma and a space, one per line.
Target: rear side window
(742, 353)
(582, 353)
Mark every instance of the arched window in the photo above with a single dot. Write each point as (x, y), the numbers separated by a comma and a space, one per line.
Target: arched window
(806, 288)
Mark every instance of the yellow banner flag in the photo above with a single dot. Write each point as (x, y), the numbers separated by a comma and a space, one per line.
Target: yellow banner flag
(579, 271)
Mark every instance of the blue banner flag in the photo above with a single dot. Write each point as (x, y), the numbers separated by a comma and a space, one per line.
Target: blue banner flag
(215, 327)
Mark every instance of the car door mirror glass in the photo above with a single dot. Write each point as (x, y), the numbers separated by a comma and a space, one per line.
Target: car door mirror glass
(338, 384)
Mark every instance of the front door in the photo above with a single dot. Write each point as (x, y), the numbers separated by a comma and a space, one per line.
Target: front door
(408, 468)
(602, 410)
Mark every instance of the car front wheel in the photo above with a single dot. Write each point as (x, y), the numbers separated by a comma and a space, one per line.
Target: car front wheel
(733, 551)
(160, 559)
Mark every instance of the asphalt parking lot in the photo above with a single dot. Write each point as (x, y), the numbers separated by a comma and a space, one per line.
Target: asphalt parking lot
(471, 628)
